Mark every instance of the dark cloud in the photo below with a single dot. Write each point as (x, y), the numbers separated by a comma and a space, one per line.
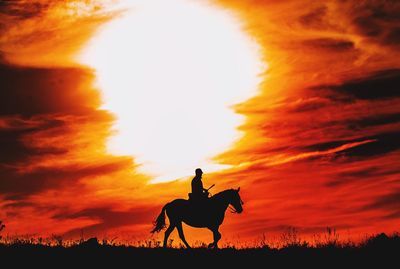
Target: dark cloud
(367, 26)
(14, 149)
(394, 215)
(29, 91)
(362, 174)
(382, 84)
(17, 204)
(376, 20)
(384, 143)
(390, 201)
(17, 185)
(331, 44)
(23, 9)
(108, 218)
(41, 104)
(331, 144)
(374, 120)
(368, 172)
(314, 18)
(26, 120)
(393, 37)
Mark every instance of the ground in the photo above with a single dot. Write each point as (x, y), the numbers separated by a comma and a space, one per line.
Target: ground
(380, 251)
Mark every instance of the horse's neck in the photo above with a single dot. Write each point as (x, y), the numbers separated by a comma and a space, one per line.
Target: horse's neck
(221, 200)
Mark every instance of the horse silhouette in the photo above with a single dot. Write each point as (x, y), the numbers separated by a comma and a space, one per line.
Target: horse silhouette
(206, 214)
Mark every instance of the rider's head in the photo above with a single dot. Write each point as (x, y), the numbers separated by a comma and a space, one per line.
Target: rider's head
(199, 172)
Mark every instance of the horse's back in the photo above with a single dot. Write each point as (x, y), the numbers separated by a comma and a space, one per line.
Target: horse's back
(179, 201)
(176, 204)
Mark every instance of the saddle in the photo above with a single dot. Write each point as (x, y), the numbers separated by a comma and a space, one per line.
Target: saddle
(198, 198)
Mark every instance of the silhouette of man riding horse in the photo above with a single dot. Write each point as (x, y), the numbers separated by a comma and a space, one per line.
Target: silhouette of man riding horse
(198, 194)
(199, 211)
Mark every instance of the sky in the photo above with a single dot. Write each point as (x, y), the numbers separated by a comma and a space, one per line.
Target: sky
(320, 145)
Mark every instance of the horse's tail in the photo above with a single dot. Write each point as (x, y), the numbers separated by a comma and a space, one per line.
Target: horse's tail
(159, 223)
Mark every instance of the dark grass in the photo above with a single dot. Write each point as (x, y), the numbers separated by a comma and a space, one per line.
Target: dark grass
(380, 251)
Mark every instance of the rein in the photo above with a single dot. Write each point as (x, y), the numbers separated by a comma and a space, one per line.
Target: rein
(232, 209)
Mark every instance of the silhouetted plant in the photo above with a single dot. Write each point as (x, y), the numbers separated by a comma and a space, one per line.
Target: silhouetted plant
(109, 242)
(82, 239)
(263, 242)
(2, 226)
(329, 239)
(150, 243)
(57, 239)
(290, 238)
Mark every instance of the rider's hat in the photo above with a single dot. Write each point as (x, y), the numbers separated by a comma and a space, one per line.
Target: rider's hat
(199, 171)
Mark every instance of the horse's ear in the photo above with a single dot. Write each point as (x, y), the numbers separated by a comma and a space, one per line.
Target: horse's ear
(238, 189)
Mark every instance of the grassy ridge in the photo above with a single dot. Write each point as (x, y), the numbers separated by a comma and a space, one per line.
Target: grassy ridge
(379, 251)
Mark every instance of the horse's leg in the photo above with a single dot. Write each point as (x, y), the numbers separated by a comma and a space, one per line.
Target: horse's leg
(169, 230)
(181, 235)
(217, 237)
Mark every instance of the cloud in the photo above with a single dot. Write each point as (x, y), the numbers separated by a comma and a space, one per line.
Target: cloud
(331, 84)
(16, 184)
(319, 145)
(373, 171)
(53, 139)
(329, 44)
(382, 84)
(376, 20)
(374, 120)
(24, 9)
(108, 219)
(384, 143)
(28, 90)
(48, 33)
(13, 128)
(41, 111)
(315, 18)
(390, 201)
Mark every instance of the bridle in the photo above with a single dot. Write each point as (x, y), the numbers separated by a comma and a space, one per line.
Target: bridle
(232, 209)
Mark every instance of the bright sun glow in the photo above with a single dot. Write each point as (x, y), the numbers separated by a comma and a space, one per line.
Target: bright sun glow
(171, 72)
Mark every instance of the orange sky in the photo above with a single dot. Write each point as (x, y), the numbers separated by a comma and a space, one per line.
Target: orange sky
(321, 144)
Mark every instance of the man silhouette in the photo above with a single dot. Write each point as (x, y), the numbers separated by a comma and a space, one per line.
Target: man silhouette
(198, 191)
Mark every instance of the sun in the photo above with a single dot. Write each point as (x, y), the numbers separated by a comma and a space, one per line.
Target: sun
(171, 72)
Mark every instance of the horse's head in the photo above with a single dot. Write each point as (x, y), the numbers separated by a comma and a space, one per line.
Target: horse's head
(236, 201)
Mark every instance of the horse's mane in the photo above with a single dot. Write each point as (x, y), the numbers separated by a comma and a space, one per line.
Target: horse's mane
(221, 193)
